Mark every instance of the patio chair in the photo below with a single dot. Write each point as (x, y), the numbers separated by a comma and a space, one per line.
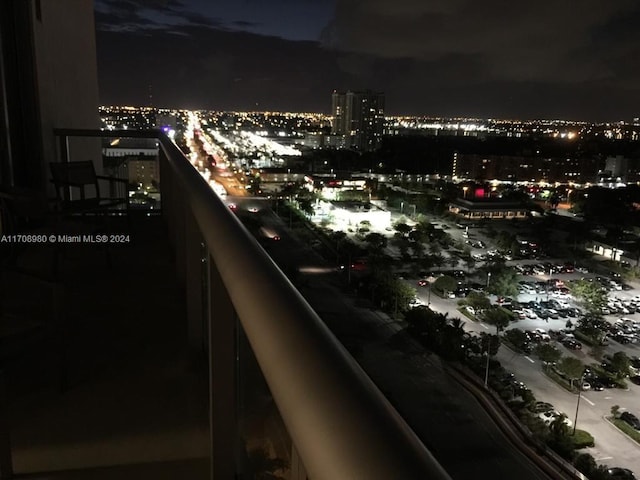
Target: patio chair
(78, 190)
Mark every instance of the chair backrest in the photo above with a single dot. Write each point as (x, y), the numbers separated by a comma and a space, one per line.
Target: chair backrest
(74, 174)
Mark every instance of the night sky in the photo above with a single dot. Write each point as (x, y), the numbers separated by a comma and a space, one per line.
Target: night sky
(493, 58)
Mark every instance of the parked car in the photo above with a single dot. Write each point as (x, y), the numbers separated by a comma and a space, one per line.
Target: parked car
(416, 302)
(572, 344)
(631, 419)
(541, 407)
(619, 473)
(551, 415)
(608, 382)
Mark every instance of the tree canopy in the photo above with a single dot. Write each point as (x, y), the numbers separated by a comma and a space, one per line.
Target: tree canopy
(591, 295)
(620, 363)
(504, 282)
(445, 283)
(498, 317)
(548, 353)
(571, 367)
(478, 301)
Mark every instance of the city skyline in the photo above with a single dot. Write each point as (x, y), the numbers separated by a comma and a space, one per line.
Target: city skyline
(429, 58)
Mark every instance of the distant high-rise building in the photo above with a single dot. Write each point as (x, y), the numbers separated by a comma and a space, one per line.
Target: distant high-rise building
(615, 172)
(359, 117)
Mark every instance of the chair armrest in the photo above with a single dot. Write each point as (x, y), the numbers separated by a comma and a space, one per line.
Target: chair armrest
(66, 183)
(112, 179)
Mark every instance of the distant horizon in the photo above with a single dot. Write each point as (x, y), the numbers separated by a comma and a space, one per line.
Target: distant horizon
(386, 115)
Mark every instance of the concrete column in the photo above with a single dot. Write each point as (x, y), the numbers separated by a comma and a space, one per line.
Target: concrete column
(222, 379)
(297, 471)
(6, 464)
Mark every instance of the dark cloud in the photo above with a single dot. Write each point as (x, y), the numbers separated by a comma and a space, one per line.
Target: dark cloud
(216, 69)
(149, 15)
(495, 58)
(519, 41)
(244, 24)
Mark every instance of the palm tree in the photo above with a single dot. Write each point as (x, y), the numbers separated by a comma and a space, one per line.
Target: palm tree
(402, 244)
(418, 249)
(558, 427)
(376, 241)
(305, 206)
(453, 335)
(469, 262)
(402, 228)
(263, 467)
(439, 325)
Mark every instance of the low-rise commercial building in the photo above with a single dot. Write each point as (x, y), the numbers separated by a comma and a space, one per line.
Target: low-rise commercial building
(488, 208)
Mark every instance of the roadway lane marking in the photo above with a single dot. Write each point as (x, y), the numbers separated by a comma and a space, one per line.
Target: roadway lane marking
(532, 361)
(589, 401)
(603, 458)
(484, 326)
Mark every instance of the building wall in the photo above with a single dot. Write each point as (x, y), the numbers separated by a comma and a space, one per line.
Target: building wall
(273, 182)
(379, 219)
(20, 139)
(338, 126)
(145, 172)
(67, 75)
(125, 152)
(492, 214)
(525, 168)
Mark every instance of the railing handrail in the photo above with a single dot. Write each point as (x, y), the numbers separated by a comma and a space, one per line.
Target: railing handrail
(342, 426)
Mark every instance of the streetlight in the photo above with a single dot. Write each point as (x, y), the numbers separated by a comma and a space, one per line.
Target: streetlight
(401, 208)
(546, 289)
(486, 371)
(464, 191)
(488, 278)
(575, 421)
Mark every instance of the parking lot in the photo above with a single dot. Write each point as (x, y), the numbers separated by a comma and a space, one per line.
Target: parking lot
(547, 312)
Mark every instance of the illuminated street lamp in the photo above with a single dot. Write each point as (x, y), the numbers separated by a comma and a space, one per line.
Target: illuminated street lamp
(464, 191)
(575, 421)
(486, 371)
(488, 278)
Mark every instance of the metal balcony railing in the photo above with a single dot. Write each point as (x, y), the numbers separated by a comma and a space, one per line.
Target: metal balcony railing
(340, 425)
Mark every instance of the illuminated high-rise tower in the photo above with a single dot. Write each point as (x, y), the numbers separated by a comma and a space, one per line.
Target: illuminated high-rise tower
(359, 117)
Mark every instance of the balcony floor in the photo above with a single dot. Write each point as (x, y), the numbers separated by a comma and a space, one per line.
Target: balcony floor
(134, 398)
